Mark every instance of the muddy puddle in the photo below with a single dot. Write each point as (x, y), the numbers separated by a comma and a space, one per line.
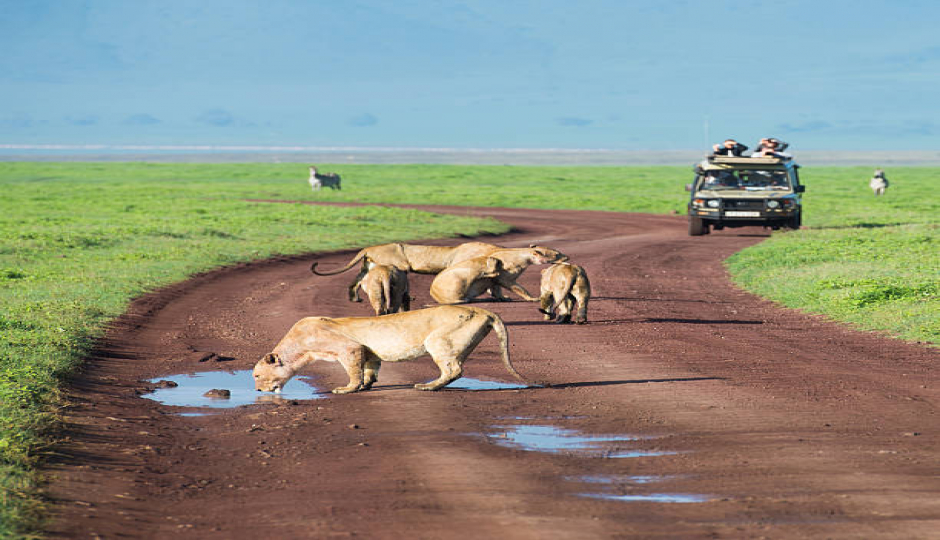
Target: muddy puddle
(467, 383)
(549, 438)
(225, 389)
(634, 489)
(556, 440)
(229, 389)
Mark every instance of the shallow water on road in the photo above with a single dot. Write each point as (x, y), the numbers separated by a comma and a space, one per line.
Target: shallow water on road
(553, 439)
(630, 489)
(190, 390)
(467, 383)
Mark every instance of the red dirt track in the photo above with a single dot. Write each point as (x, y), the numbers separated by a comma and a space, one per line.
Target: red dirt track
(788, 425)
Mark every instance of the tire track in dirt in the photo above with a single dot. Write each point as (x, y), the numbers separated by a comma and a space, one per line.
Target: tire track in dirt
(791, 425)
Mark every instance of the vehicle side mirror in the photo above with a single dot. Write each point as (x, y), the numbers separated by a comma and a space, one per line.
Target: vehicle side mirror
(800, 188)
(688, 187)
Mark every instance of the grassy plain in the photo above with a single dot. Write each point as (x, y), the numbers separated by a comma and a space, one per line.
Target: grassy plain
(871, 261)
(78, 240)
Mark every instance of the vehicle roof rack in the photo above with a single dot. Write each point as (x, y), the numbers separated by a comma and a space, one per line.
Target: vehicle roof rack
(734, 160)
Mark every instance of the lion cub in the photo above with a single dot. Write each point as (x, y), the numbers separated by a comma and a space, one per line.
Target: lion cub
(563, 285)
(387, 289)
(447, 333)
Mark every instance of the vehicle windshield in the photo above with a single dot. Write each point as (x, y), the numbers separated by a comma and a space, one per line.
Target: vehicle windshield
(750, 180)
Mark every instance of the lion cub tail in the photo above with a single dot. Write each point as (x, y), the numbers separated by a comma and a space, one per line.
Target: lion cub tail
(503, 335)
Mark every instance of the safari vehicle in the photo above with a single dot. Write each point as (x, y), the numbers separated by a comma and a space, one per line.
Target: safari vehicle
(745, 191)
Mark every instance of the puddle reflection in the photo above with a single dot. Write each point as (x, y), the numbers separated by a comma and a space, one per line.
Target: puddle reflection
(615, 486)
(555, 440)
(190, 390)
(654, 497)
(467, 383)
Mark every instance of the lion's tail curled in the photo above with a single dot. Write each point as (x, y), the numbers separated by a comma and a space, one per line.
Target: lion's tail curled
(356, 259)
(562, 297)
(503, 336)
(387, 293)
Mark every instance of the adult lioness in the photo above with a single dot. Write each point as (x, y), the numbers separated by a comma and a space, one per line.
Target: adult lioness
(448, 333)
(409, 258)
(562, 286)
(498, 270)
(467, 280)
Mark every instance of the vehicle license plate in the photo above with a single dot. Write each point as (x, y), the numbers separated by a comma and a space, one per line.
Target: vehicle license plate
(733, 213)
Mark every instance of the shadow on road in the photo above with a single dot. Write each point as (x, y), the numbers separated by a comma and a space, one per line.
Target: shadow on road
(702, 321)
(634, 381)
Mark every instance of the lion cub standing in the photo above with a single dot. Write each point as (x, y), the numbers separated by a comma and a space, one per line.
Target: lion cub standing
(563, 285)
(387, 289)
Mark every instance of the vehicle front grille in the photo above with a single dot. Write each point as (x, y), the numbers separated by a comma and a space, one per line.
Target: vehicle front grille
(744, 204)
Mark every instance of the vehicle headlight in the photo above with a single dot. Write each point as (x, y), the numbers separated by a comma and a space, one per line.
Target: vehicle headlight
(712, 203)
(773, 204)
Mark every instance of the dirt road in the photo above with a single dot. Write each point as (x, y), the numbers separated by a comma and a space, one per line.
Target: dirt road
(723, 415)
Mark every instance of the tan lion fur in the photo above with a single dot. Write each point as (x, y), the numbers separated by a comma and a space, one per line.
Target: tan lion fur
(387, 289)
(499, 270)
(447, 333)
(564, 285)
(415, 258)
(466, 280)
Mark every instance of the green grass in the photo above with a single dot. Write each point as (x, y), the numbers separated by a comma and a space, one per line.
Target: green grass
(873, 262)
(79, 240)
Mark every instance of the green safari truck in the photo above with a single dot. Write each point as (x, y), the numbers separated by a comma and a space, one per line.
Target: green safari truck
(745, 192)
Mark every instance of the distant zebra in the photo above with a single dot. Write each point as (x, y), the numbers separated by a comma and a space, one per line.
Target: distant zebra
(318, 180)
(878, 183)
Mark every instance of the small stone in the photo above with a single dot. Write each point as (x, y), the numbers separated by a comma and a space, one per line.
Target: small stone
(218, 393)
(165, 384)
(353, 426)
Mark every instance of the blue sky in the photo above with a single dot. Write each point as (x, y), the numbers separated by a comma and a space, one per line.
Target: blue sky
(618, 74)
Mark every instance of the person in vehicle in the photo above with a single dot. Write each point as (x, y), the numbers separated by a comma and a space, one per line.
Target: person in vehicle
(730, 147)
(721, 179)
(769, 147)
(770, 142)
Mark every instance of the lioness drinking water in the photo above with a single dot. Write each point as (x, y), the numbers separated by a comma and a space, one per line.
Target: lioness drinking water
(447, 333)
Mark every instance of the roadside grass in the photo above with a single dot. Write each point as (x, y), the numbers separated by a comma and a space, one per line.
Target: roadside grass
(79, 240)
(871, 261)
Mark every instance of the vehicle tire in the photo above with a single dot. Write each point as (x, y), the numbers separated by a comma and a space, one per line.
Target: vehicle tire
(697, 226)
(796, 221)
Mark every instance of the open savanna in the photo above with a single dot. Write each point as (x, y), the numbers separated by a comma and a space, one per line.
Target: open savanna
(79, 240)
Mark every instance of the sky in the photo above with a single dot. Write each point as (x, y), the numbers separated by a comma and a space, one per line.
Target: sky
(610, 74)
